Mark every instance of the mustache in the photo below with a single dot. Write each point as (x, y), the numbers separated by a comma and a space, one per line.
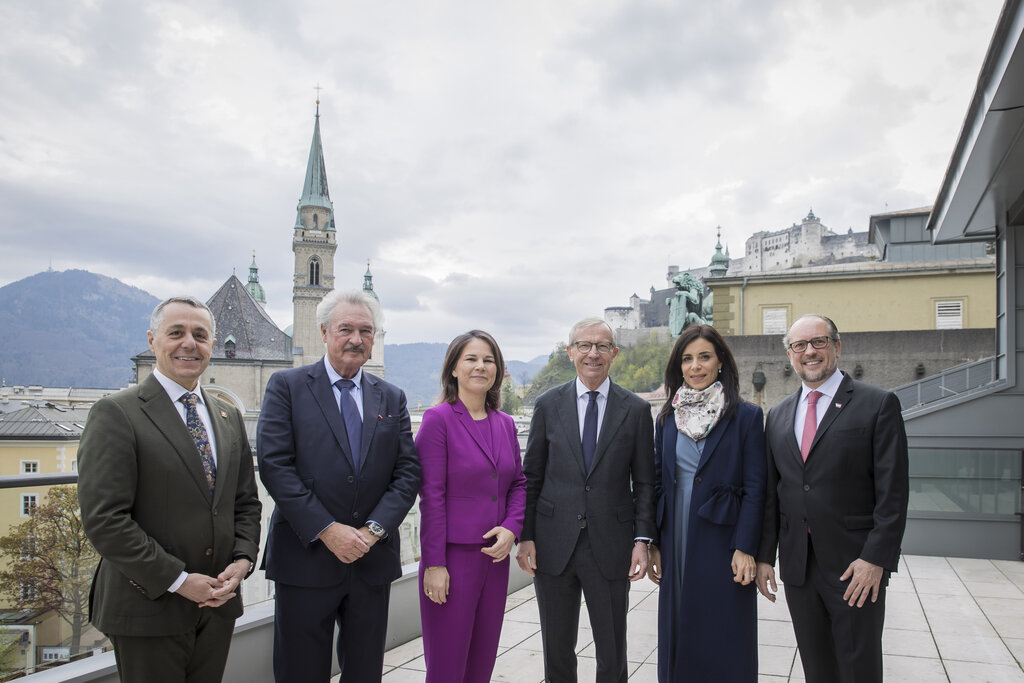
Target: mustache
(353, 347)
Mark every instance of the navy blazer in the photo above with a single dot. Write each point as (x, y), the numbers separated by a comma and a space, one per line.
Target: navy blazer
(306, 464)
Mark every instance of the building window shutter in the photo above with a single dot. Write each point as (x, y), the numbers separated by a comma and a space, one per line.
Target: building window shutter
(949, 315)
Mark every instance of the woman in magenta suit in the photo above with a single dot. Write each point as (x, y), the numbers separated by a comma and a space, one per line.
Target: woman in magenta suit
(472, 501)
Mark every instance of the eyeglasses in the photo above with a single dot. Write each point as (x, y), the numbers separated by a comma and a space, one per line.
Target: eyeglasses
(603, 348)
(801, 345)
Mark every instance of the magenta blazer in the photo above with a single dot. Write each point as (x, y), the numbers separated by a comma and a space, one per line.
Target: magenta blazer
(467, 489)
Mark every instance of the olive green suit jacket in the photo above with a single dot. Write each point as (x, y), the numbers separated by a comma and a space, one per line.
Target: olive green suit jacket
(147, 508)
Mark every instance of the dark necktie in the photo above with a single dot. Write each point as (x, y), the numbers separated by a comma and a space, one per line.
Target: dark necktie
(810, 423)
(202, 439)
(590, 430)
(350, 413)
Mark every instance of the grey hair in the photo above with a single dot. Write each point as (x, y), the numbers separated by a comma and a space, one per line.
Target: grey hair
(157, 316)
(325, 309)
(833, 331)
(589, 322)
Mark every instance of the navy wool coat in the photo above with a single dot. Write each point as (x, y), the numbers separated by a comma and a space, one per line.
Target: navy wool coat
(715, 638)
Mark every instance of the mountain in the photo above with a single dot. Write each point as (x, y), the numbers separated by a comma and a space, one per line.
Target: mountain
(72, 328)
(79, 329)
(416, 368)
(523, 372)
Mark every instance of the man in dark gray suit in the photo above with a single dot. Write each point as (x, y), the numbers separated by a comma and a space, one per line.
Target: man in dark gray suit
(586, 528)
(836, 507)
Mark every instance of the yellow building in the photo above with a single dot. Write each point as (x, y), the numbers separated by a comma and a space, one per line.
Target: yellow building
(37, 441)
(915, 286)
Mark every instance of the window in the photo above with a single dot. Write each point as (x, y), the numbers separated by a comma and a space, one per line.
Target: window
(965, 482)
(28, 503)
(53, 654)
(773, 320)
(30, 467)
(949, 315)
(314, 272)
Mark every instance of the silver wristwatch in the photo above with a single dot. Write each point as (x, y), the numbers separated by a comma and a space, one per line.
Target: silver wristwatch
(376, 529)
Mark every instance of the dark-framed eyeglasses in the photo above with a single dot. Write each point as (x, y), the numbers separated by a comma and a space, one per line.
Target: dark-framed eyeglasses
(800, 345)
(603, 348)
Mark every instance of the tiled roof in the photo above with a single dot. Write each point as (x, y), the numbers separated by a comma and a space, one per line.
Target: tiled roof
(44, 421)
(243, 321)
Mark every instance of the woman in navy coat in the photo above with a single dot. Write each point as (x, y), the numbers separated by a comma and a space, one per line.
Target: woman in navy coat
(710, 467)
(472, 502)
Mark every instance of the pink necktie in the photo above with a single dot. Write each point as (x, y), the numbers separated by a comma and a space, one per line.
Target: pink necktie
(810, 424)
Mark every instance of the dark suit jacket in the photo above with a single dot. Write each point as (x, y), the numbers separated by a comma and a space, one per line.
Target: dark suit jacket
(852, 492)
(562, 498)
(307, 467)
(146, 507)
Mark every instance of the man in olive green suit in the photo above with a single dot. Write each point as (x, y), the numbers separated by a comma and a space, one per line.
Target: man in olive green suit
(169, 500)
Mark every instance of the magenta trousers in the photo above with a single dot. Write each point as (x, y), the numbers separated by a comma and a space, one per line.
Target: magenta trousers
(460, 637)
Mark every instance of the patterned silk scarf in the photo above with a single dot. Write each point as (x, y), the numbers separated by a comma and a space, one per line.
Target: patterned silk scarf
(697, 412)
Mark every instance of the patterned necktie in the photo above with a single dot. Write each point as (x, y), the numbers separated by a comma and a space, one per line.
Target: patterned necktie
(202, 439)
(350, 414)
(810, 423)
(590, 430)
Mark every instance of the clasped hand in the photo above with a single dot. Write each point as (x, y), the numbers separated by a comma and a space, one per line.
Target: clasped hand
(208, 591)
(347, 543)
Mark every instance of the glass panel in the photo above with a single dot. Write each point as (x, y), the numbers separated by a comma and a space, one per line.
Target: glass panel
(968, 481)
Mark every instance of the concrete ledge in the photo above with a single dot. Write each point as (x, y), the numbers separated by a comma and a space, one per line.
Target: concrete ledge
(252, 651)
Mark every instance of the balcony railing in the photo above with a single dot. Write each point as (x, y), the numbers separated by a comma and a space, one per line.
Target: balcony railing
(956, 381)
(252, 644)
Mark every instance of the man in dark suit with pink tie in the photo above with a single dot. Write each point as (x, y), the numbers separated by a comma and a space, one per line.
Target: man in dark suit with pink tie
(836, 507)
(336, 453)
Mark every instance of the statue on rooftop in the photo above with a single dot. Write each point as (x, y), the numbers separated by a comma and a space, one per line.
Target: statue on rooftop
(686, 305)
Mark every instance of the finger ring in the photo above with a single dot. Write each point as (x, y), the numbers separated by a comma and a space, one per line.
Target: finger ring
(430, 593)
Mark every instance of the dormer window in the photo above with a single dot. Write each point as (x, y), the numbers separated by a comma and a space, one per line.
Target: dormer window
(316, 221)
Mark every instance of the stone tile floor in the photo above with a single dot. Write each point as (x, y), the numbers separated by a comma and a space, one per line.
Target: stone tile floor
(947, 619)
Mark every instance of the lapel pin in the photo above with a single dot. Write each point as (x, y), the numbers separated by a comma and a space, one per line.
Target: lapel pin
(839, 405)
(379, 416)
(223, 414)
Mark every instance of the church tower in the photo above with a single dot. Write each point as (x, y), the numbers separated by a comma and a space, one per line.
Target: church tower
(314, 244)
(253, 286)
(376, 362)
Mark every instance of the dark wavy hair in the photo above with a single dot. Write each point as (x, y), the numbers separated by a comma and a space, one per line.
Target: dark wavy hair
(450, 385)
(674, 370)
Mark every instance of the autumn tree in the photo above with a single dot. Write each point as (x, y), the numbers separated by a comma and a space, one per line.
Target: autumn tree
(49, 561)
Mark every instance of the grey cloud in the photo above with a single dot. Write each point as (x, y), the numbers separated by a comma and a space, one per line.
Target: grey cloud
(713, 47)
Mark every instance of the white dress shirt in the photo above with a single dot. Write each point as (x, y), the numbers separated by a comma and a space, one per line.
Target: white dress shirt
(828, 389)
(175, 391)
(357, 390)
(583, 398)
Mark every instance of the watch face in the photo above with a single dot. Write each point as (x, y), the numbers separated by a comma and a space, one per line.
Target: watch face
(376, 529)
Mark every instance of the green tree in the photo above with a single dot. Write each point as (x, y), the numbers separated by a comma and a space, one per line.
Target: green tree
(558, 371)
(637, 368)
(50, 561)
(510, 400)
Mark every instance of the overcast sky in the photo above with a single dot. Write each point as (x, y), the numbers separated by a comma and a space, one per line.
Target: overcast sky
(512, 166)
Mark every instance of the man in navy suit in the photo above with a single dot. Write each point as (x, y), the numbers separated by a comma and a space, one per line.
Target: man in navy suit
(336, 453)
(836, 507)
